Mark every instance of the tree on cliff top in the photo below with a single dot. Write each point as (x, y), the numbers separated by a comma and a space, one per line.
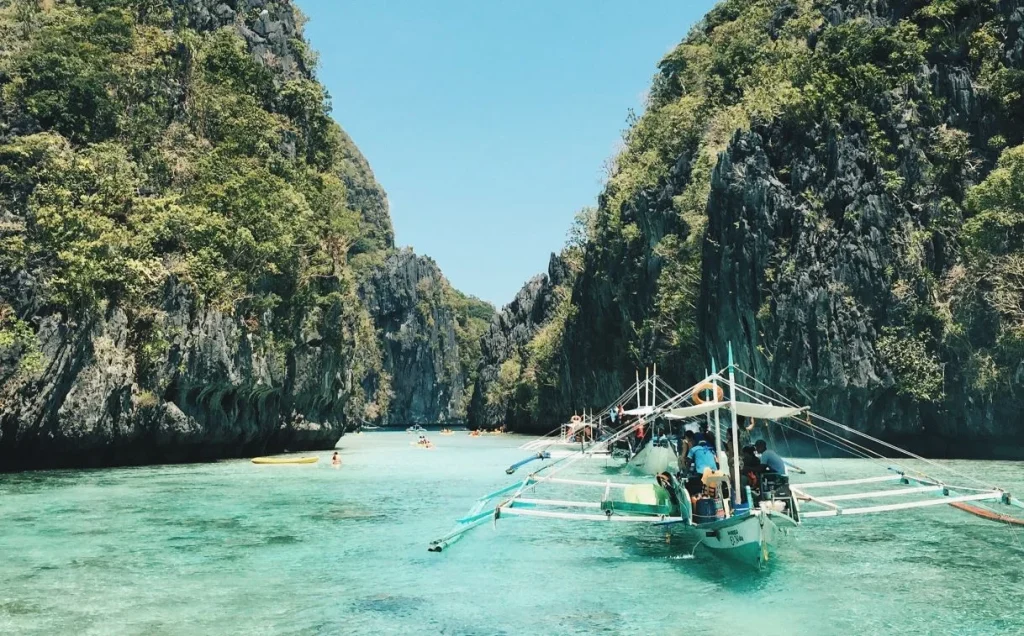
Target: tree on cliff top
(135, 150)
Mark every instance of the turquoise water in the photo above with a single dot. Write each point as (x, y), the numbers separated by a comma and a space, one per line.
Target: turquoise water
(232, 547)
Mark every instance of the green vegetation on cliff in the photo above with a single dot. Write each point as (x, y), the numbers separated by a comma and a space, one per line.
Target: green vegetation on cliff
(816, 181)
(154, 148)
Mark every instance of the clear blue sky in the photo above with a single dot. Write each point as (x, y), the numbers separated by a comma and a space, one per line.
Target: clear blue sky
(487, 122)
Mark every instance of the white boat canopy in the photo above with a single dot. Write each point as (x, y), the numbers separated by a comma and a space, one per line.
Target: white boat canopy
(686, 412)
(746, 409)
(643, 410)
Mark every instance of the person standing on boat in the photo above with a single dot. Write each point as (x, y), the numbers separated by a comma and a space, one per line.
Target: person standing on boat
(684, 450)
(702, 456)
(770, 459)
(709, 437)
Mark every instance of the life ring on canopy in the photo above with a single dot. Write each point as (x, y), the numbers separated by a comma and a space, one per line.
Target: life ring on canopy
(576, 419)
(707, 386)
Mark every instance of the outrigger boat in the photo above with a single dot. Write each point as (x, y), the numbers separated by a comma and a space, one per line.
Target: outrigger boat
(745, 525)
(586, 433)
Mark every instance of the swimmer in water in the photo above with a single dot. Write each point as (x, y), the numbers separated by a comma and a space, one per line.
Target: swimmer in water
(336, 459)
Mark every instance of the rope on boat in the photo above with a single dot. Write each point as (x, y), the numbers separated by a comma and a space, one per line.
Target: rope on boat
(862, 434)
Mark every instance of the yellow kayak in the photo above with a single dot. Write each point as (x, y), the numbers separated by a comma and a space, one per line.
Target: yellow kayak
(285, 460)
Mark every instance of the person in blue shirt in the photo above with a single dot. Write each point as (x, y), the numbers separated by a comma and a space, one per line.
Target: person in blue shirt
(700, 457)
(772, 460)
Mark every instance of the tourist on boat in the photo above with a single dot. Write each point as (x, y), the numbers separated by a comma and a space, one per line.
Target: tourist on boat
(724, 457)
(749, 460)
(708, 436)
(701, 434)
(684, 450)
(750, 471)
(771, 460)
(701, 456)
(335, 459)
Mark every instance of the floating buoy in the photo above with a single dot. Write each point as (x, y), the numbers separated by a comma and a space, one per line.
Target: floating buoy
(707, 386)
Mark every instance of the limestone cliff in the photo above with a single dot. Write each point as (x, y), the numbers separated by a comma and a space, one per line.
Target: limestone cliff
(505, 342)
(814, 182)
(182, 228)
(427, 336)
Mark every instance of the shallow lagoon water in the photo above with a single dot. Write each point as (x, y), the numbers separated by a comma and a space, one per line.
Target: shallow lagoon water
(231, 547)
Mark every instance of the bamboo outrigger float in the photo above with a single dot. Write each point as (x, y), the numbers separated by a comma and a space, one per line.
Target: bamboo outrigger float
(741, 526)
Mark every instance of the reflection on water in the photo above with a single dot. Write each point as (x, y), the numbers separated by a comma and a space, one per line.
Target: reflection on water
(232, 547)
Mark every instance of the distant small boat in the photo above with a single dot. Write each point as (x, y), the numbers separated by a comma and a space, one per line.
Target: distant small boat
(415, 428)
(285, 460)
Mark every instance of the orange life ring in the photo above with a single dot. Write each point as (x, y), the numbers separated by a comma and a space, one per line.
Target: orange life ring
(707, 386)
(576, 419)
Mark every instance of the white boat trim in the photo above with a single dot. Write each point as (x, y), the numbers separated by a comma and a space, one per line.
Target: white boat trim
(848, 482)
(881, 493)
(995, 494)
(523, 512)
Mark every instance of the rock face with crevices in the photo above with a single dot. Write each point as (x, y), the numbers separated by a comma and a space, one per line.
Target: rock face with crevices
(122, 341)
(408, 298)
(508, 335)
(817, 183)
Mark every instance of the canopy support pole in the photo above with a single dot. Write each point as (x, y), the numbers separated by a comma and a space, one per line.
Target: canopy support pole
(718, 423)
(735, 432)
(637, 388)
(647, 386)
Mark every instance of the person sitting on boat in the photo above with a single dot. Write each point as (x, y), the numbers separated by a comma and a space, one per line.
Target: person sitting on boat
(662, 439)
(769, 458)
(750, 470)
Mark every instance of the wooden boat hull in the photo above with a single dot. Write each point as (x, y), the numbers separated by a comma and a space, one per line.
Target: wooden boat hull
(748, 540)
(285, 460)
